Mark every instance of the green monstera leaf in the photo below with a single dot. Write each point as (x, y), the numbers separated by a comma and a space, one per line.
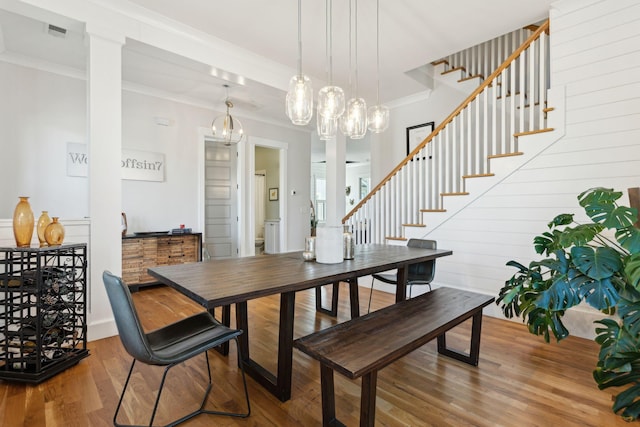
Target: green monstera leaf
(562, 219)
(619, 366)
(600, 205)
(629, 238)
(632, 270)
(580, 235)
(597, 263)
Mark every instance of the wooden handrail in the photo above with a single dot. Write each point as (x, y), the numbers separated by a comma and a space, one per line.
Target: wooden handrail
(543, 28)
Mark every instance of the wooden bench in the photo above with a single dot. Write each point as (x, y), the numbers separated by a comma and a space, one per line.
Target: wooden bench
(364, 345)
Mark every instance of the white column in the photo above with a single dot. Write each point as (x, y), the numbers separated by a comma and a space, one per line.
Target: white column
(104, 130)
(336, 155)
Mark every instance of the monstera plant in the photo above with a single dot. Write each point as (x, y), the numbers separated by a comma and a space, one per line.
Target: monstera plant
(599, 263)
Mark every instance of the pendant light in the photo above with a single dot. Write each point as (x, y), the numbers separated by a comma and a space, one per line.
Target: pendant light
(300, 94)
(330, 97)
(378, 115)
(326, 127)
(225, 128)
(356, 109)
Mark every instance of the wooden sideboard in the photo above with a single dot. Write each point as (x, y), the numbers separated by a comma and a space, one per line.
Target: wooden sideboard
(141, 251)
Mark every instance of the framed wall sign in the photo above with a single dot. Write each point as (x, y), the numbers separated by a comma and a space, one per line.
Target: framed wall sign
(416, 134)
(273, 194)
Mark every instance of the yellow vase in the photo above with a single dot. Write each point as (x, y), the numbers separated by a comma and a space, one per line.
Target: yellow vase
(43, 222)
(23, 223)
(54, 233)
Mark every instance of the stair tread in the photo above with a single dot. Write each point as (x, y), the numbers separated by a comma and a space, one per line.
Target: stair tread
(433, 210)
(395, 238)
(442, 61)
(477, 76)
(459, 193)
(533, 132)
(453, 70)
(548, 109)
(497, 156)
(480, 175)
(414, 225)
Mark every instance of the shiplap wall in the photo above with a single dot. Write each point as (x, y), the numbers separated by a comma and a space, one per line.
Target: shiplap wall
(595, 55)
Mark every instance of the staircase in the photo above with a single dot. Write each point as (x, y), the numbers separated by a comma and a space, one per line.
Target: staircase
(503, 123)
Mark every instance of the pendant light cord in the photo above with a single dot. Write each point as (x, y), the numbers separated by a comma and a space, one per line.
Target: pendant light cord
(356, 47)
(300, 39)
(350, 53)
(329, 44)
(378, 51)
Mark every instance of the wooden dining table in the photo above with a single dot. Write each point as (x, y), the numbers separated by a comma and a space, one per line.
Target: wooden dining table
(220, 283)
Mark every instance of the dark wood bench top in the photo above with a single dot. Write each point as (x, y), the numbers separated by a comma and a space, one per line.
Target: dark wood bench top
(373, 341)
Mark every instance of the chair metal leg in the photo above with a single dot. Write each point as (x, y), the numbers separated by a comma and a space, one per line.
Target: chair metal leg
(200, 410)
(246, 391)
(126, 383)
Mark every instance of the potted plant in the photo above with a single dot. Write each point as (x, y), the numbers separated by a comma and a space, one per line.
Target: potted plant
(599, 263)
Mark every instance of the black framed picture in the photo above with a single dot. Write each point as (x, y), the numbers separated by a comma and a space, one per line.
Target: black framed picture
(416, 134)
(273, 194)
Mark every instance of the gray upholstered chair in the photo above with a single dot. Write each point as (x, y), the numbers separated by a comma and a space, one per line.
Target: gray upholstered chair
(419, 274)
(169, 345)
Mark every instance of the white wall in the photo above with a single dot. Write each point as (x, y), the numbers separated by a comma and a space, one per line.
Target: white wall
(390, 147)
(594, 54)
(39, 113)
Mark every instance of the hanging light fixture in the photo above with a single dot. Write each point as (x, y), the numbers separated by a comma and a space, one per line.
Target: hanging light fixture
(355, 116)
(330, 97)
(225, 128)
(326, 127)
(378, 115)
(300, 94)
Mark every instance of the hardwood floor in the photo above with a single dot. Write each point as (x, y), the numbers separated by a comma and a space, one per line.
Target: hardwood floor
(520, 381)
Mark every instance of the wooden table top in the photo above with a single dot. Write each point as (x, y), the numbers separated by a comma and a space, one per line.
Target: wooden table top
(228, 281)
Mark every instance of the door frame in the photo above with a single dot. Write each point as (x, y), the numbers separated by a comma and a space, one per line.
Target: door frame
(248, 216)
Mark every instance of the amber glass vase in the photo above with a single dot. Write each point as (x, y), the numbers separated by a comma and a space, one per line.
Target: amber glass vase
(23, 223)
(54, 233)
(43, 222)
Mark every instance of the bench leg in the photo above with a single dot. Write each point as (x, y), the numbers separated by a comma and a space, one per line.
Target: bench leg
(368, 399)
(334, 300)
(474, 354)
(328, 398)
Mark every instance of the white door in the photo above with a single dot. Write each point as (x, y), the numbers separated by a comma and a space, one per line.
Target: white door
(220, 200)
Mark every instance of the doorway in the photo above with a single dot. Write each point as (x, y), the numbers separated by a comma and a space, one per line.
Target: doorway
(266, 157)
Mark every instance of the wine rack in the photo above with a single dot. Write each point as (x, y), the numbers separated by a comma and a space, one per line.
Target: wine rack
(43, 311)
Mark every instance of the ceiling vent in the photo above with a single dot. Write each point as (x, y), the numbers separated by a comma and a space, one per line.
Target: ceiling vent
(54, 31)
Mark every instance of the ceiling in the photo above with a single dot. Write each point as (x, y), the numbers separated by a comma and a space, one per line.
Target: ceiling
(412, 33)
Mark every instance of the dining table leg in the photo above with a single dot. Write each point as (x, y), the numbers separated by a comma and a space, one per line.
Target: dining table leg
(279, 385)
(354, 299)
(401, 286)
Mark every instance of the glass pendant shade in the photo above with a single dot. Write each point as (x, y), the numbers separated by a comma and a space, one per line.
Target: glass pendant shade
(356, 118)
(331, 102)
(300, 100)
(378, 117)
(327, 127)
(345, 123)
(226, 129)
